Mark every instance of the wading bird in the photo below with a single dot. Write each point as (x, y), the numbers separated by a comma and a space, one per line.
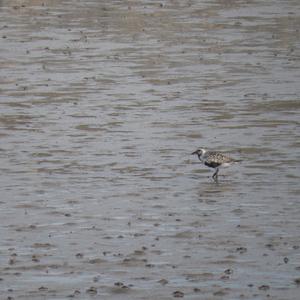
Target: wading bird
(215, 160)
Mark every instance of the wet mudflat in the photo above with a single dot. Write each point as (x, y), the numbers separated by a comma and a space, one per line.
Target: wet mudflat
(101, 105)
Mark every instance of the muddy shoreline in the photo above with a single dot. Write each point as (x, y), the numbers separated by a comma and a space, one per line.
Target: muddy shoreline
(101, 106)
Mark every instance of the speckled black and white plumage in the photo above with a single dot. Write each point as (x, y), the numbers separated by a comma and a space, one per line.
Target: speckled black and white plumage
(214, 160)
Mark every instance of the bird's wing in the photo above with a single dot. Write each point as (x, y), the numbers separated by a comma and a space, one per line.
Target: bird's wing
(218, 158)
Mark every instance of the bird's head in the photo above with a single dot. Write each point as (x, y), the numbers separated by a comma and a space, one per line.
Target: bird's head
(199, 152)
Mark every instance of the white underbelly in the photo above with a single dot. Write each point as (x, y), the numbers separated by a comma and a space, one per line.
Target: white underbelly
(225, 165)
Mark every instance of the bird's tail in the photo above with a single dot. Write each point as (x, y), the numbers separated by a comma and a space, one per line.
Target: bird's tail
(237, 160)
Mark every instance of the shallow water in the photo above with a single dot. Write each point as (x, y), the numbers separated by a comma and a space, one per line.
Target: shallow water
(101, 106)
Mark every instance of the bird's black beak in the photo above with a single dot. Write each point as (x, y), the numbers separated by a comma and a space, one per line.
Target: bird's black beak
(195, 152)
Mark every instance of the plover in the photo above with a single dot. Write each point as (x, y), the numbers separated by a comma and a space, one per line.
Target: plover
(214, 160)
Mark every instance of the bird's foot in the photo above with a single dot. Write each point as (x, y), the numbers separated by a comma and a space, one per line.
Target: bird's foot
(215, 177)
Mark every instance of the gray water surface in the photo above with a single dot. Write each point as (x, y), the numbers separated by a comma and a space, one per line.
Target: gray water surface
(102, 103)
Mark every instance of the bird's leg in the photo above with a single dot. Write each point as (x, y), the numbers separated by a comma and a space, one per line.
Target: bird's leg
(215, 176)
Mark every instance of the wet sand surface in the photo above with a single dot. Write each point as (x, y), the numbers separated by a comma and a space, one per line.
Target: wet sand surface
(101, 106)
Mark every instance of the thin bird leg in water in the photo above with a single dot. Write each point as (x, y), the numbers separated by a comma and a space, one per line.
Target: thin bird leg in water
(216, 174)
